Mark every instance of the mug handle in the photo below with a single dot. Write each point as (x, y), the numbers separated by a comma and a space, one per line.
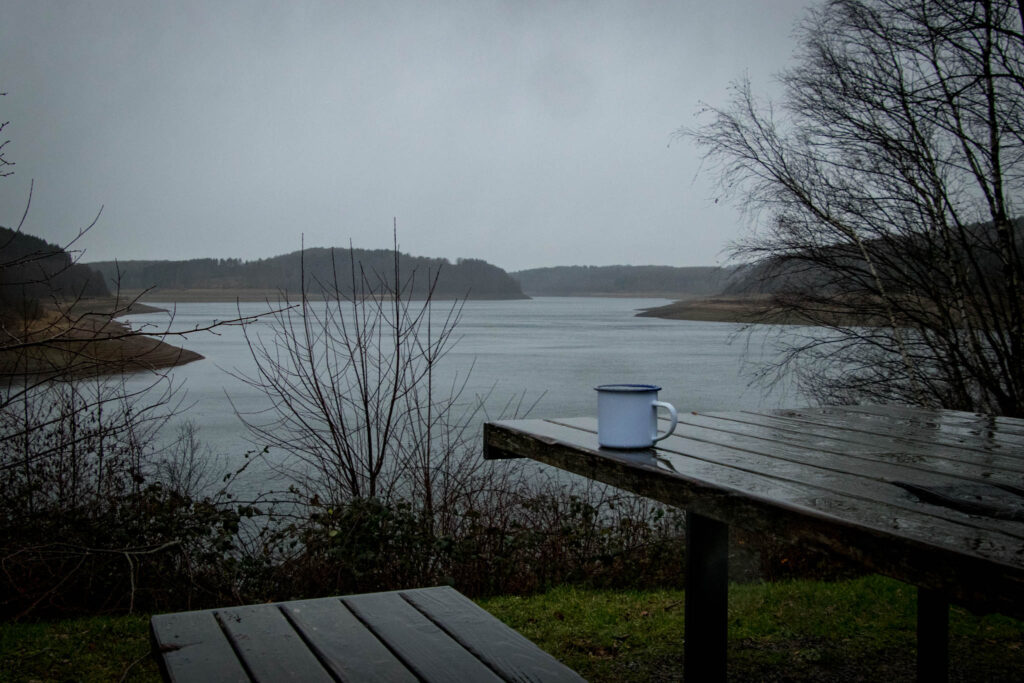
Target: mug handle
(672, 413)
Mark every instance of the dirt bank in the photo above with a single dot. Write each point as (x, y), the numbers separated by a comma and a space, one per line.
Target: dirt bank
(85, 341)
(748, 309)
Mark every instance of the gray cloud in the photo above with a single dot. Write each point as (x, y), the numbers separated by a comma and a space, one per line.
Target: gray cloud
(527, 134)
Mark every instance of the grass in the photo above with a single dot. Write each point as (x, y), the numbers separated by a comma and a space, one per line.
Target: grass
(87, 650)
(857, 630)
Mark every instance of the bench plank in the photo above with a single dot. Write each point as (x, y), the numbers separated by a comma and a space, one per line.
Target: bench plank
(269, 645)
(343, 644)
(192, 647)
(505, 650)
(431, 653)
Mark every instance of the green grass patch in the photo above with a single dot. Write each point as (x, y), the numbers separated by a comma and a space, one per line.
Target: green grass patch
(90, 649)
(863, 630)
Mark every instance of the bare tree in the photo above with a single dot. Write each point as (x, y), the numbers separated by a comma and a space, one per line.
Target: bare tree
(362, 429)
(5, 165)
(889, 175)
(351, 377)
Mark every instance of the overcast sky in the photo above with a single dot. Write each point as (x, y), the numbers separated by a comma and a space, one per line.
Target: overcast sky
(527, 134)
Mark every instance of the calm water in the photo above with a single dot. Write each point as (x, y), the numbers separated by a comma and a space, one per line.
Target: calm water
(549, 350)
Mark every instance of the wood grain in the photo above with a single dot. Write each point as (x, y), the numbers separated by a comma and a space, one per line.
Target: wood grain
(269, 646)
(190, 646)
(506, 651)
(341, 642)
(424, 647)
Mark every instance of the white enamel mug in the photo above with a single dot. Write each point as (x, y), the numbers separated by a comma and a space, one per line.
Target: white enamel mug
(627, 415)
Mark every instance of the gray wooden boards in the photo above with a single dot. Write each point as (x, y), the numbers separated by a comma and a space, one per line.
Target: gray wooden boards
(427, 634)
(929, 497)
(191, 646)
(501, 648)
(343, 644)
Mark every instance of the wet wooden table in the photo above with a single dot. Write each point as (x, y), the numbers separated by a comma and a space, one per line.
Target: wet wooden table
(933, 498)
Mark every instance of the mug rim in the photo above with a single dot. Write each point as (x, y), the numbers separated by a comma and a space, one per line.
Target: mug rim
(627, 388)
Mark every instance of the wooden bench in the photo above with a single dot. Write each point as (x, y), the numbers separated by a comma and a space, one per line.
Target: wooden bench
(428, 634)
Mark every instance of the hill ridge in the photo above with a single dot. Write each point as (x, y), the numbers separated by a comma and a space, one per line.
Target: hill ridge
(465, 278)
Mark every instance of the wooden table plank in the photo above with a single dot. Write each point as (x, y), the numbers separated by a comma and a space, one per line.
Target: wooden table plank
(343, 644)
(796, 457)
(806, 480)
(976, 422)
(427, 650)
(192, 647)
(1003, 469)
(905, 429)
(933, 424)
(269, 646)
(836, 453)
(506, 651)
(571, 444)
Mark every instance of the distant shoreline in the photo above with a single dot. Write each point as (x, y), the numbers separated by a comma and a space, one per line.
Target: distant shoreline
(722, 309)
(672, 296)
(231, 295)
(740, 309)
(753, 309)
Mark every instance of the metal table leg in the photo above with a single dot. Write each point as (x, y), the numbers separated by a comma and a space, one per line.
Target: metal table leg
(707, 590)
(932, 636)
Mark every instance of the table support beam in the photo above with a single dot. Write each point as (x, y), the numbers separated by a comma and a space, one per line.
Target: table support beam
(707, 591)
(932, 636)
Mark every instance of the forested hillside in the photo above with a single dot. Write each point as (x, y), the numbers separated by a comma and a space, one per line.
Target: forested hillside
(664, 281)
(33, 270)
(466, 278)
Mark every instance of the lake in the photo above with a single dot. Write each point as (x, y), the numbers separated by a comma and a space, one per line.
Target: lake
(549, 350)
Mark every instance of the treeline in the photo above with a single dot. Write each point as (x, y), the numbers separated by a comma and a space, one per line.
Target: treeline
(623, 280)
(466, 278)
(841, 269)
(33, 270)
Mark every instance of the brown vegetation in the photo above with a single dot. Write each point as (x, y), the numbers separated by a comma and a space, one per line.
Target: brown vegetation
(749, 308)
(726, 309)
(84, 344)
(778, 309)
